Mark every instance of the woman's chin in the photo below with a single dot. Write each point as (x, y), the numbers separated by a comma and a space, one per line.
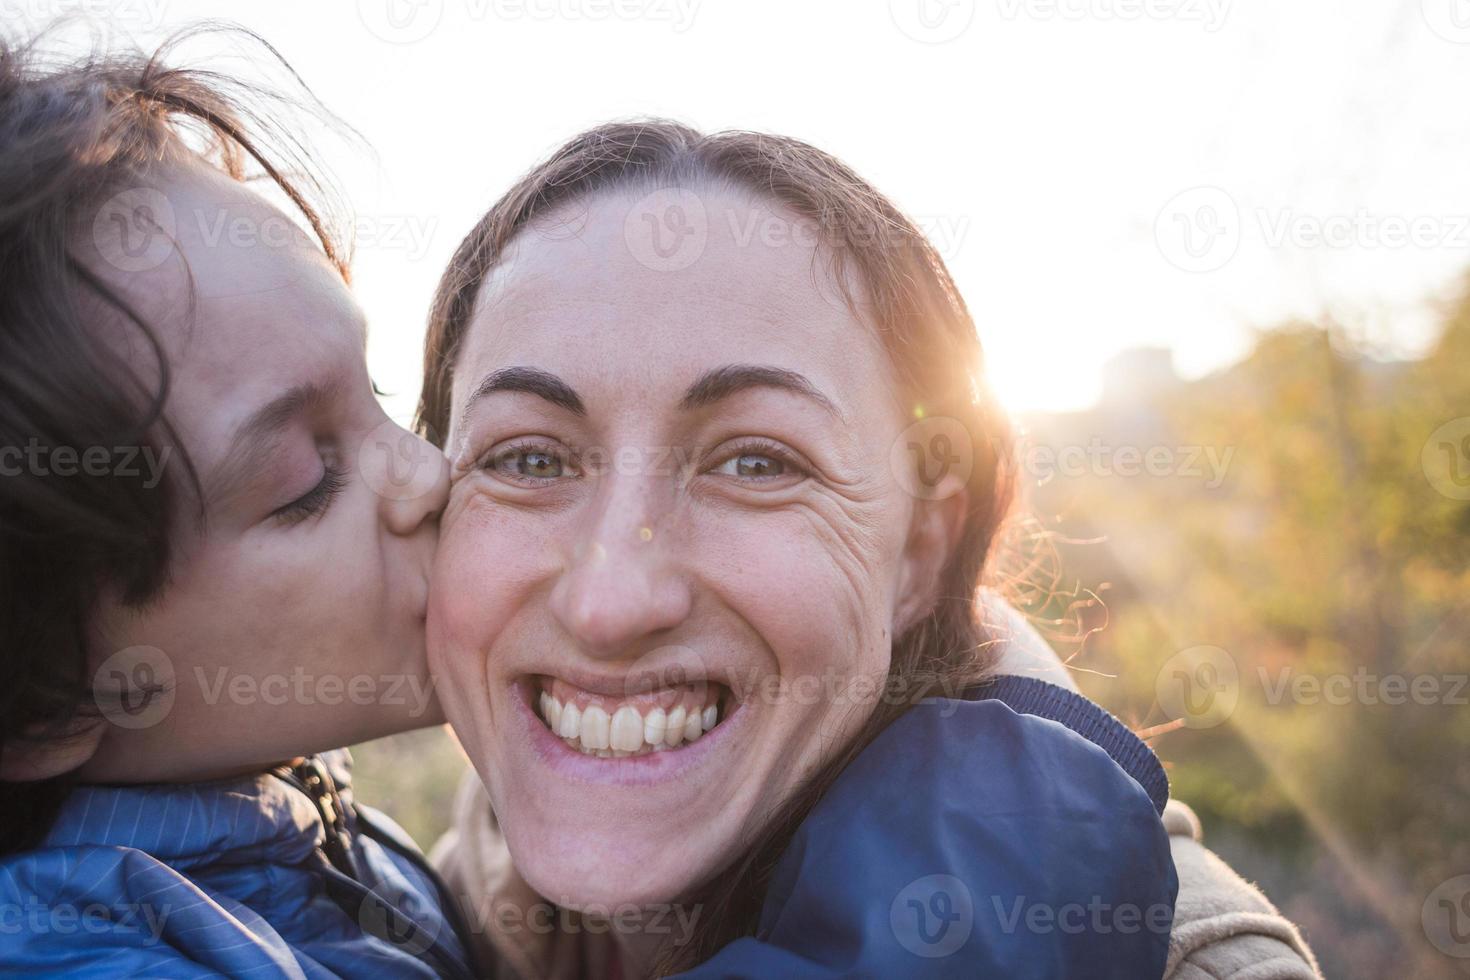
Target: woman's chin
(608, 886)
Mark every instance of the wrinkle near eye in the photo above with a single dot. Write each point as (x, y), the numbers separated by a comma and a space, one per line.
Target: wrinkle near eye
(851, 535)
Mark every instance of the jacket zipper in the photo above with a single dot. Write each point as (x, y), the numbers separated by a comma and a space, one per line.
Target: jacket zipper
(312, 778)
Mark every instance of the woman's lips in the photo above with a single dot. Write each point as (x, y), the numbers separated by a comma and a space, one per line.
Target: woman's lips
(590, 755)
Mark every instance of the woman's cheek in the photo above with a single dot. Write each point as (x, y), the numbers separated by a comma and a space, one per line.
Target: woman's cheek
(491, 558)
(809, 605)
(465, 615)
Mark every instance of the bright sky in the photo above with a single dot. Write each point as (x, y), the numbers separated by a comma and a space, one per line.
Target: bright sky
(1100, 174)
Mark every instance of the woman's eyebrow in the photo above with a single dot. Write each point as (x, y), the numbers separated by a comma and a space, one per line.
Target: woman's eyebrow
(722, 382)
(708, 388)
(532, 381)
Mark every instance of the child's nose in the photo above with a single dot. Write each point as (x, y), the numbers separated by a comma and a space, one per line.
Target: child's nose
(409, 475)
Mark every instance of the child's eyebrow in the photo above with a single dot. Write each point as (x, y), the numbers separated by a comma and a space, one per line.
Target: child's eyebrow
(253, 441)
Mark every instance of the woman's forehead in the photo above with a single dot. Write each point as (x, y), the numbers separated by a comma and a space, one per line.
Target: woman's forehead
(576, 294)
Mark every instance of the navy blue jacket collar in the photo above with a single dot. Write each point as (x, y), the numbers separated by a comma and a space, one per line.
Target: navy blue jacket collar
(1031, 696)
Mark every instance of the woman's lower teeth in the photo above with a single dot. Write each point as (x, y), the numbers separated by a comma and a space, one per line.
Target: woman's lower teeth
(625, 732)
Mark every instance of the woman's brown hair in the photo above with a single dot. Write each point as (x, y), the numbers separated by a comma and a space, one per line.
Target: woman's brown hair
(903, 292)
(74, 131)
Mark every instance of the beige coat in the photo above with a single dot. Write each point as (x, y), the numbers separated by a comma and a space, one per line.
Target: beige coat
(1224, 928)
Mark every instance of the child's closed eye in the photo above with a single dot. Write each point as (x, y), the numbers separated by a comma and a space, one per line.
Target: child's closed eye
(316, 500)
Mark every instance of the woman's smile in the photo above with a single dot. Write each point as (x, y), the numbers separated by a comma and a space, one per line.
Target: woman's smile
(616, 727)
(642, 739)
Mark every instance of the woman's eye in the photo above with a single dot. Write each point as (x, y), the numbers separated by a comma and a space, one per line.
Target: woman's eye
(759, 463)
(753, 465)
(543, 465)
(531, 463)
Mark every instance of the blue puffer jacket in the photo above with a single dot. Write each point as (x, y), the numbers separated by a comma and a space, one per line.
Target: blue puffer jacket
(272, 876)
(1016, 834)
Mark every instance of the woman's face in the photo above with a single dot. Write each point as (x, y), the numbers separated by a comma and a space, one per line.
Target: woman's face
(675, 552)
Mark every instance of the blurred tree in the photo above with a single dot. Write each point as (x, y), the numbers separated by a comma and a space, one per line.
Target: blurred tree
(1335, 573)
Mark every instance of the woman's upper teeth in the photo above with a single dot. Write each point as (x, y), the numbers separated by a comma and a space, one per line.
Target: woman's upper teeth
(626, 731)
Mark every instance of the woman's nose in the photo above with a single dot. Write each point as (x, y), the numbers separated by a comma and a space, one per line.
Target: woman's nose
(623, 582)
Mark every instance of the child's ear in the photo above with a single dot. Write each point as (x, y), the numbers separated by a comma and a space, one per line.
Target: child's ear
(934, 534)
(23, 761)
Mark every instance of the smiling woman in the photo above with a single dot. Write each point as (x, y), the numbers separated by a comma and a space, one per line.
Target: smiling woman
(660, 670)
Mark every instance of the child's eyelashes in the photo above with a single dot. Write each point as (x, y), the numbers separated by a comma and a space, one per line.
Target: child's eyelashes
(315, 501)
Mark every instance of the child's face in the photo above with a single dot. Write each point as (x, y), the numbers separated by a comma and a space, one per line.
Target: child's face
(293, 620)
